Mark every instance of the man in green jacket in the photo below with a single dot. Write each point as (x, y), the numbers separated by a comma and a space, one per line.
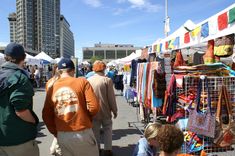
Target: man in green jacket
(18, 122)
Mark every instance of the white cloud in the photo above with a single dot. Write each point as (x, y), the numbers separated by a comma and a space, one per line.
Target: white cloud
(3, 44)
(119, 11)
(93, 3)
(121, 1)
(125, 23)
(138, 2)
(144, 5)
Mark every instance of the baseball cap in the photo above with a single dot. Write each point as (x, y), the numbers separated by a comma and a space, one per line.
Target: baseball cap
(15, 50)
(66, 63)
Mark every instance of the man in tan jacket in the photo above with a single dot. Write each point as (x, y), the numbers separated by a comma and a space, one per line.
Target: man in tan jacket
(103, 88)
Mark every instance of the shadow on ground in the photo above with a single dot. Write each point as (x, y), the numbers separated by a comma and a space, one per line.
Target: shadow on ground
(119, 133)
(117, 151)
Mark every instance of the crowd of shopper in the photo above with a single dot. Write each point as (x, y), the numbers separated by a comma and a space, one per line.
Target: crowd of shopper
(74, 111)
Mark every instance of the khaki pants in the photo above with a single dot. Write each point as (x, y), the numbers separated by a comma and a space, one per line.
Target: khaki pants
(107, 128)
(81, 143)
(29, 148)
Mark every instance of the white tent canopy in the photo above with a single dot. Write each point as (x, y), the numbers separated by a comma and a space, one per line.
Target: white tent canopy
(44, 56)
(29, 56)
(1, 55)
(129, 58)
(85, 63)
(2, 60)
(30, 60)
(57, 60)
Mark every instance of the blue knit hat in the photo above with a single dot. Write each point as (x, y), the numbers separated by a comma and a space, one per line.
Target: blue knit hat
(15, 50)
(66, 63)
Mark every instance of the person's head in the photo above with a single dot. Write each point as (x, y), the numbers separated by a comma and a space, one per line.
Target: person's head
(150, 133)
(15, 53)
(67, 66)
(170, 139)
(99, 66)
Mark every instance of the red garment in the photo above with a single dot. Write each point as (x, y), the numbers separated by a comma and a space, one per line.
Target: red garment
(186, 37)
(148, 80)
(223, 21)
(179, 60)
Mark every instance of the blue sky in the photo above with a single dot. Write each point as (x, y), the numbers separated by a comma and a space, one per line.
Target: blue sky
(138, 22)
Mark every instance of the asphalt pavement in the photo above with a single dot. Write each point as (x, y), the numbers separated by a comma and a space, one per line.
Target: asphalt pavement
(124, 137)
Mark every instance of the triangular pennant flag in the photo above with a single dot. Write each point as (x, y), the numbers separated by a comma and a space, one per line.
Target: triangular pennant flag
(186, 37)
(205, 30)
(166, 45)
(213, 26)
(154, 48)
(177, 42)
(160, 47)
(196, 31)
(223, 21)
(171, 44)
(231, 15)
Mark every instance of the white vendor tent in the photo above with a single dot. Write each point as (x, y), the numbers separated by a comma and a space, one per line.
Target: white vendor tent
(57, 60)
(30, 60)
(2, 60)
(129, 58)
(44, 56)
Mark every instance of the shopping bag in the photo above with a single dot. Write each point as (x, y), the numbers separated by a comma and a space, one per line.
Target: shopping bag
(202, 123)
(224, 46)
(224, 133)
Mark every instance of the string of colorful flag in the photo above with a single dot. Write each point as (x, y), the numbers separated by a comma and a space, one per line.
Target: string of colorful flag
(210, 27)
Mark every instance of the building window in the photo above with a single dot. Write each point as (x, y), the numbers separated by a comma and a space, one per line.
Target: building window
(121, 53)
(130, 51)
(87, 54)
(110, 54)
(99, 54)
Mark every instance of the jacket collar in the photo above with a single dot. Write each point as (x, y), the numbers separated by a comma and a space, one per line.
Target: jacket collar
(99, 74)
(10, 65)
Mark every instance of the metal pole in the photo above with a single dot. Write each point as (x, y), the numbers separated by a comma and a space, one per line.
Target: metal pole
(166, 16)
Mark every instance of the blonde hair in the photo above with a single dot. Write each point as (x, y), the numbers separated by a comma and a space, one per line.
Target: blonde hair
(56, 77)
(151, 130)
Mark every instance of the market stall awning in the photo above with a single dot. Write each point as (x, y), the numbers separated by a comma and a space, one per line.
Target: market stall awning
(30, 60)
(45, 57)
(190, 35)
(1, 55)
(129, 58)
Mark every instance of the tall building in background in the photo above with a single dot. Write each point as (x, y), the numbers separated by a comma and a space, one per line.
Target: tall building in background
(66, 39)
(12, 21)
(38, 25)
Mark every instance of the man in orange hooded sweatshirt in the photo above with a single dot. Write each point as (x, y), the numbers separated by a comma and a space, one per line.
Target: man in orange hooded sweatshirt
(68, 110)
